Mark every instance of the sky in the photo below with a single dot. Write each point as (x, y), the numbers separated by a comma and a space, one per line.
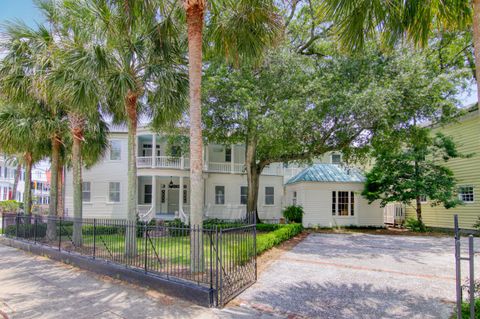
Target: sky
(19, 9)
(27, 11)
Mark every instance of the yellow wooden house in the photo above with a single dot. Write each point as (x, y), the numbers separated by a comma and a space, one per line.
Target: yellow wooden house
(466, 134)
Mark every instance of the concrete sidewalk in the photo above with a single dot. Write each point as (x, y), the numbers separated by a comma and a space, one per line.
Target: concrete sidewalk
(36, 287)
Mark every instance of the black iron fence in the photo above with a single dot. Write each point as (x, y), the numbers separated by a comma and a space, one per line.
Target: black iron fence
(222, 259)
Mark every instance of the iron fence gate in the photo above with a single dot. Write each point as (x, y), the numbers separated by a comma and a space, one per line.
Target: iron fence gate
(221, 259)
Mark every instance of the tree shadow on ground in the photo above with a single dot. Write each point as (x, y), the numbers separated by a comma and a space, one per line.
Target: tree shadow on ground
(332, 300)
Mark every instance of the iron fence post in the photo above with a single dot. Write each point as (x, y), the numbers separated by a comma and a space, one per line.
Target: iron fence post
(94, 235)
(216, 264)
(60, 234)
(17, 221)
(35, 222)
(3, 223)
(145, 245)
(458, 277)
(472, 279)
(255, 248)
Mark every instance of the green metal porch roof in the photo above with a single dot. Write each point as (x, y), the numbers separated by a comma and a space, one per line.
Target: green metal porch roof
(328, 173)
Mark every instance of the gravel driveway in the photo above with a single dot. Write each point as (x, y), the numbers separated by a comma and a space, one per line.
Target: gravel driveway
(360, 276)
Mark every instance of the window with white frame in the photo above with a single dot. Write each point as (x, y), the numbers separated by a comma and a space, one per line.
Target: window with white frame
(243, 195)
(86, 192)
(269, 195)
(228, 154)
(114, 192)
(423, 199)
(466, 194)
(343, 203)
(115, 150)
(294, 198)
(336, 158)
(147, 194)
(220, 195)
(147, 150)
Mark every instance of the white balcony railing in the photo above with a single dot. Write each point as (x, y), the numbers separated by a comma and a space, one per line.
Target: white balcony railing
(168, 162)
(214, 167)
(144, 162)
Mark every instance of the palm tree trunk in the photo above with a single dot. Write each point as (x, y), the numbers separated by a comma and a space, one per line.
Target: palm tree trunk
(476, 43)
(195, 10)
(60, 205)
(18, 171)
(253, 178)
(27, 195)
(77, 135)
(52, 212)
(130, 238)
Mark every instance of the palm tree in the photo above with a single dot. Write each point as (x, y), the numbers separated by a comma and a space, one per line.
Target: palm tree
(24, 72)
(139, 58)
(19, 134)
(354, 21)
(238, 30)
(76, 87)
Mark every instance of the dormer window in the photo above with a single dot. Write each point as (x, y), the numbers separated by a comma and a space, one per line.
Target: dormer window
(336, 159)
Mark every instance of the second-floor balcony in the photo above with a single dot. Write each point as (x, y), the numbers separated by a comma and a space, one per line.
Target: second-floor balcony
(183, 163)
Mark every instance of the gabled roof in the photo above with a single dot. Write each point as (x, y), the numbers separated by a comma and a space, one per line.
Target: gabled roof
(328, 173)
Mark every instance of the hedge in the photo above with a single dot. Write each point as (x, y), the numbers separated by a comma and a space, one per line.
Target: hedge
(268, 240)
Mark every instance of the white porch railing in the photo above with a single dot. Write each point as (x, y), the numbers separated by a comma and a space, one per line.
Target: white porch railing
(215, 167)
(394, 214)
(273, 169)
(146, 216)
(144, 162)
(168, 162)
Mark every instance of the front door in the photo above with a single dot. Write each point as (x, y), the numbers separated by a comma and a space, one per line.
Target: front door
(173, 200)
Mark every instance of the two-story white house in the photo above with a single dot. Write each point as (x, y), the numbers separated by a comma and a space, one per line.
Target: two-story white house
(164, 185)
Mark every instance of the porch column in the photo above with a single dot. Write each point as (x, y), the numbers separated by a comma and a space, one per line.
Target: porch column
(205, 149)
(232, 159)
(154, 194)
(154, 149)
(180, 195)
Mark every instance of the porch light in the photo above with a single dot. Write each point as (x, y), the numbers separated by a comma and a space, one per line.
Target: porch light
(170, 185)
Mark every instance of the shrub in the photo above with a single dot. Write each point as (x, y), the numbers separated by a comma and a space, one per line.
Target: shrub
(26, 230)
(293, 213)
(466, 309)
(10, 206)
(178, 228)
(268, 227)
(220, 223)
(284, 232)
(415, 225)
(477, 224)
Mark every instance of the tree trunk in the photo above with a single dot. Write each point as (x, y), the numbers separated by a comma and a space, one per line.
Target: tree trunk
(131, 238)
(476, 43)
(253, 179)
(60, 186)
(195, 10)
(27, 195)
(77, 135)
(52, 211)
(419, 209)
(18, 171)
